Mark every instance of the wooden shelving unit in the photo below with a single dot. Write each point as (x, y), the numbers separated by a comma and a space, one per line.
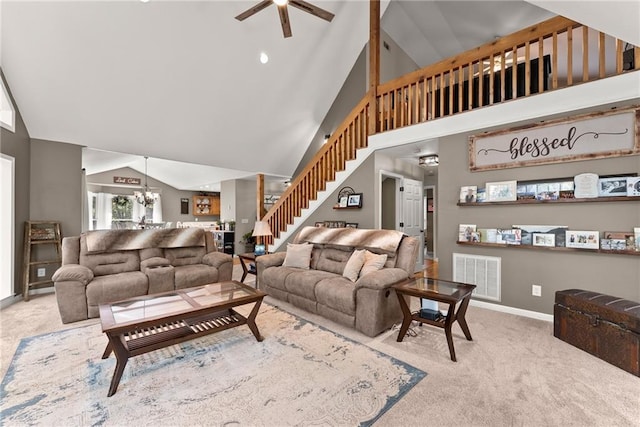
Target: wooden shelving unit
(530, 202)
(206, 205)
(547, 248)
(39, 234)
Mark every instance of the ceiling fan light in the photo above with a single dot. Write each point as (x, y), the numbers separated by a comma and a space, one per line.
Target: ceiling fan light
(280, 2)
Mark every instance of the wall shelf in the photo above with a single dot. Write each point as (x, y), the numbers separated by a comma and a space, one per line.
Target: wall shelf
(346, 207)
(547, 202)
(547, 248)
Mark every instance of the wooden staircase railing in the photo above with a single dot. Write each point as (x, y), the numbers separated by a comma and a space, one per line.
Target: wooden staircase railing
(503, 70)
(341, 147)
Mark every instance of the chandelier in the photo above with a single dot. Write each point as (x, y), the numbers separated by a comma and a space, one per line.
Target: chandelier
(146, 197)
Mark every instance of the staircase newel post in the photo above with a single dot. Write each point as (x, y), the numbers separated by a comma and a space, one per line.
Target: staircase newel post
(374, 64)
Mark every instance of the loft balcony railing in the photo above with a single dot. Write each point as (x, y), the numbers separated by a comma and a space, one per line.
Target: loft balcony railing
(553, 54)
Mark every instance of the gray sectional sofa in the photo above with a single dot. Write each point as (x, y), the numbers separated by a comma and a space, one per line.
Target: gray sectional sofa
(109, 265)
(366, 301)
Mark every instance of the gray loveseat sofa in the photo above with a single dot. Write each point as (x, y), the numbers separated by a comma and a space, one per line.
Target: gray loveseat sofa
(109, 265)
(366, 303)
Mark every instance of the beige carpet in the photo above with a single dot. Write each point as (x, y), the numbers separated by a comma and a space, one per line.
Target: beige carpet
(513, 373)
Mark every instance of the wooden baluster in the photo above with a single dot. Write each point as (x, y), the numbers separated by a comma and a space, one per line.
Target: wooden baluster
(460, 88)
(527, 69)
(540, 65)
(480, 83)
(601, 52)
(434, 85)
(492, 64)
(619, 51)
(585, 54)
(503, 69)
(471, 79)
(554, 61)
(569, 56)
(514, 73)
(442, 113)
(451, 84)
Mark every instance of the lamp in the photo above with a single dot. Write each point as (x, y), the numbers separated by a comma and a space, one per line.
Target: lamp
(146, 197)
(261, 229)
(430, 160)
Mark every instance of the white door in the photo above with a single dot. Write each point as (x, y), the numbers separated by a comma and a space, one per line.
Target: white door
(412, 215)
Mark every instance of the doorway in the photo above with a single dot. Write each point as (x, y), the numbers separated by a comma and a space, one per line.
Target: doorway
(430, 222)
(401, 208)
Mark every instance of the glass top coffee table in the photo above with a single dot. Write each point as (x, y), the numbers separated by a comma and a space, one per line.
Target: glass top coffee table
(439, 290)
(142, 324)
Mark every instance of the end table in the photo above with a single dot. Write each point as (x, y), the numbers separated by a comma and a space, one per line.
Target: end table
(439, 290)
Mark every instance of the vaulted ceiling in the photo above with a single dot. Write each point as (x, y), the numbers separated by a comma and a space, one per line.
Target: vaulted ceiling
(181, 81)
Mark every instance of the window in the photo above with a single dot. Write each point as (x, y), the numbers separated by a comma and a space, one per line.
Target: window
(7, 112)
(118, 211)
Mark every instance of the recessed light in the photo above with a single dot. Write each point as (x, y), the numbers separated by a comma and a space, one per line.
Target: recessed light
(281, 2)
(144, 1)
(264, 58)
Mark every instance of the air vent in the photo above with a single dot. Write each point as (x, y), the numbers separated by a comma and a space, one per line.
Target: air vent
(482, 271)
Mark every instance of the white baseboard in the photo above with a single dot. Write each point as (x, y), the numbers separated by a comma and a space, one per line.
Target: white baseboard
(513, 310)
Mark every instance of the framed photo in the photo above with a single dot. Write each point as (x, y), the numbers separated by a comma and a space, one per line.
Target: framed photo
(633, 186)
(615, 237)
(184, 206)
(351, 225)
(465, 232)
(468, 194)
(583, 239)
(354, 200)
(502, 191)
(343, 201)
(610, 187)
(529, 231)
(585, 186)
(544, 239)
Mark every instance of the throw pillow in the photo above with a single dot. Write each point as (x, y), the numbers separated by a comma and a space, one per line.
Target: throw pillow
(354, 265)
(298, 255)
(372, 262)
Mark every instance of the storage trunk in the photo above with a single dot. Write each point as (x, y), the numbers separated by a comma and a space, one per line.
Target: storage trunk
(602, 325)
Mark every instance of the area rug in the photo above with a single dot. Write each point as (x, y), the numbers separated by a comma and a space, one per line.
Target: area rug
(300, 374)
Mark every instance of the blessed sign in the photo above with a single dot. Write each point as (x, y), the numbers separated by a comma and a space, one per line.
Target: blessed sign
(589, 136)
(126, 180)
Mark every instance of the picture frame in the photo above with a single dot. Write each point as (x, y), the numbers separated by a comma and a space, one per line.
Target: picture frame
(354, 200)
(343, 201)
(502, 191)
(612, 186)
(320, 224)
(633, 186)
(544, 239)
(582, 239)
(585, 186)
(528, 232)
(351, 225)
(468, 194)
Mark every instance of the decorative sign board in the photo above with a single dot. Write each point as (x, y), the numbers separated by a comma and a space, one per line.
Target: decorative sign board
(589, 136)
(126, 180)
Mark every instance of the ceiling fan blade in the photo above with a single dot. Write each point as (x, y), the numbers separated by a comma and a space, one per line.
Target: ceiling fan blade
(314, 10)
(255, 9)
(284, 20)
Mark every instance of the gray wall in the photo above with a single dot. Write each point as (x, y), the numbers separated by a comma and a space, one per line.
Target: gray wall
(617, 275)
(56, 184)
(17, 145)
(103, 182)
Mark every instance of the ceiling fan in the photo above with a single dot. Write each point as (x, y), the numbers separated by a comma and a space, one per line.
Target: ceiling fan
(284, 13)
(497, 62)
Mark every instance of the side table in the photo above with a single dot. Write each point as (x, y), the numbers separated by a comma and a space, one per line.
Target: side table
(247, 268)
(439, 290)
